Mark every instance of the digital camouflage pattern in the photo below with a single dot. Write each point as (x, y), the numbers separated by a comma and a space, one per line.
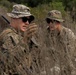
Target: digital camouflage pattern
(55, 15)
(59, 49)
(3, 23)
(58, 52)
(15, 53)
(52, 57)
(20, 10)
(16, 56)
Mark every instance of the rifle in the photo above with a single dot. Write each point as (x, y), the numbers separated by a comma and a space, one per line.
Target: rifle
(5, 19)
(4, 23)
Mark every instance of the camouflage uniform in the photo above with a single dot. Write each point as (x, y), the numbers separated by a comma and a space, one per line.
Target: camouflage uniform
(11, 44)
(15, 56)
(59, 49)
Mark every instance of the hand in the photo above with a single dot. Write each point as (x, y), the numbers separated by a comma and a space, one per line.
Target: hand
(30, 31)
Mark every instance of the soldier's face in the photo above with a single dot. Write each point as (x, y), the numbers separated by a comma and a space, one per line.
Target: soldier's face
(23, 23)
(53, 24)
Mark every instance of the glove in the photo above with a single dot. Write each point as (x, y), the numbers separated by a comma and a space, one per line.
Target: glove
(30, 31)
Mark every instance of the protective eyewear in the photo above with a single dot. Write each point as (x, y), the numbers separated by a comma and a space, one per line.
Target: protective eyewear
(25, 19)
(51, 21)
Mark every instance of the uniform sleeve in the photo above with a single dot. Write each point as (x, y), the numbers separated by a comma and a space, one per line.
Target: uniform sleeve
(13, 43)
(14, 56)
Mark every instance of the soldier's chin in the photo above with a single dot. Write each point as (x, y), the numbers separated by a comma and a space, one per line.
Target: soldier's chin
(23, 30)
(52, 29)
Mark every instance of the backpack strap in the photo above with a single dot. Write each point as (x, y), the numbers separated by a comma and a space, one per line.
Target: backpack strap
(5, 32)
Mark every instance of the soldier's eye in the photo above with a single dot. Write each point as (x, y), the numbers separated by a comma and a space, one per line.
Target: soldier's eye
(49, 20)
(25, 19)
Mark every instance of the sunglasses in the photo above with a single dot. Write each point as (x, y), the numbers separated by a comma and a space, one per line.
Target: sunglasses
(25, 19)
(52, 21)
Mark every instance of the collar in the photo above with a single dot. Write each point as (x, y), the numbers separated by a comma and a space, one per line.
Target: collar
(55, 32)
(17, 32)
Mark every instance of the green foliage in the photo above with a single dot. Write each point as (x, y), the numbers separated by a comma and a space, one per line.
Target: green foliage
(33, 3)
(6, 4)
(40, 11)
(70, 5)
(40, 7)
(57, 5)
(17, 1)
